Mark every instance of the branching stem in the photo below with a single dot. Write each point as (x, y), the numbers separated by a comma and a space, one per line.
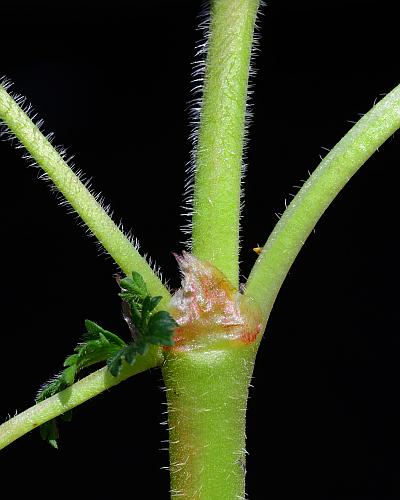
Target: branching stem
(81, 391)
(335, 170)
(75, 192)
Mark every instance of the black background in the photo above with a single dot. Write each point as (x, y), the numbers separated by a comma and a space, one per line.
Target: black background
(113, 83)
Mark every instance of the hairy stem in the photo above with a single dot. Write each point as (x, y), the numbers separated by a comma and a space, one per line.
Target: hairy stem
(335, 170)
(78, 393)
(216, 208)
(83, 202)
(207, 396)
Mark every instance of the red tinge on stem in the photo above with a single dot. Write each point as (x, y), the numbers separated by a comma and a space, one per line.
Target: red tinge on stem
(209, 311)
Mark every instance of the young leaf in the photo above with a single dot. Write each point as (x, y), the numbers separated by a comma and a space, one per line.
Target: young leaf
(56, 384)
(71, 360)
(67, 416)
(94, 331)
(135, 287)
(69, 375)
(149, 304)
(147, 327)
(98, 345)
(130, 352)
(114, 363)
(142, 346)
(49, 432)
(160, 329)
(136, 315)
(145, 311)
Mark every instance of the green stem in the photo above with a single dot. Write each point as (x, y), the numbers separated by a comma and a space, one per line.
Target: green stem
(216, 201)
(335, 170)
(207, 388)
(78, 393)
(207, 395)
(83, 202)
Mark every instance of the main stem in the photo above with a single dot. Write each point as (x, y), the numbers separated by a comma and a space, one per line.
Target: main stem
(207, 395)
(207, 388)
(216, 198)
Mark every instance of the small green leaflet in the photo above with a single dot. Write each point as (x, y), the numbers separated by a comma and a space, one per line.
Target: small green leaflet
(133, 289)
(99, 345)
(147, 327)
